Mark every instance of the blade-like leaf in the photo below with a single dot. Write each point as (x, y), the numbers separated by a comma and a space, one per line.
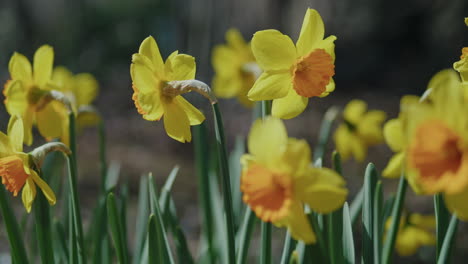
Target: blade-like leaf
(348, 242)
(370, 180)
(448, 241)
(116, 229)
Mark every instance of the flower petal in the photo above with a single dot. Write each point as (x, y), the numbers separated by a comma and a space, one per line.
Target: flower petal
(6, 148)
(180, 67)
(226, 87)
(273, 50)
(194, 115)
(235, 40)
(298, 224)
(271, 86)
(28, 194)
(86, 88)
(28, 123)
(223, 59)
(328, 45)
(312, 32)
(16, 133)
(354, 111)
(20, 67)
(298, 156)
(370, 127)
(393, 134)
(143, 78)
(16, 97)
(50, 118)
(394, 166)
(176, 123)
(46, 190)
(456, 203)
(149, 105)
(289, 106)
(150, 49)
(43, 63)
(268, 139)
(329, 88)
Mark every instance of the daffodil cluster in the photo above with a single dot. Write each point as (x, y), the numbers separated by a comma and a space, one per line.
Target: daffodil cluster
(278, 180)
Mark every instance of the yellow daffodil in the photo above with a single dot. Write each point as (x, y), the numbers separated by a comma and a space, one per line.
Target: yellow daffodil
(360, 130)
(25, 94)
(15, 166)
(414, 232)
(235, 68)
(278, 180)
(294, 73)
(437, 153)
(155, 96)
(81, 90)
(461, 66)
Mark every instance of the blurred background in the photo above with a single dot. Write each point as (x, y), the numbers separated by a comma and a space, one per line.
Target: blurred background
(384, 49)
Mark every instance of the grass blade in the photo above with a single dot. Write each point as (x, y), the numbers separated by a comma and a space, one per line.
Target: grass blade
(447, 245)
(389, 242)
(226, 183)
(61, 241)
(245, 234)
(18, 251)
(356, 206)
(335, 223)
(116, 229)
(442, 220)
(43, 228)
(370, 180)
(155, 242)
(235, 172)
(166, 189)
(348, 242)
(265, 253)
(141, 226)
(378, 222)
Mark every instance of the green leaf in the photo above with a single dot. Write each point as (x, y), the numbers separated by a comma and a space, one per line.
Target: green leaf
(356, 206)
(390, 239)
(378, 222)
(325, 129)
(235, 171)
(442, 216)
(288, 247)
(370, 180)
(113, 174)
(156, 242)
(141, 219)
(447, 245)
(115, 225)
(166, 189)
(168, 258)
(265, 253)
(348, 242)
(335, 223)
(43, 228)
(245, 234)
(61, 242)
(18, 251)
(226, 183)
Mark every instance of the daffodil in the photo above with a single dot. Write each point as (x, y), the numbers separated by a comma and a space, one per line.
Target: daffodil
(414, 231)
(437, 153)
(235, 68)
(278, 180)
(16, 166)
(294, 73)
(157, 93)
(81, 90)
(27, 94)
(360, 130)
(461, 66)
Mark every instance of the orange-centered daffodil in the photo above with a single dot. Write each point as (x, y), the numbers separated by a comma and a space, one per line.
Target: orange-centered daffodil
(278, 180)
(294, 73)
(235, 68)
(154, 95)
(15, 166)
(26, 94)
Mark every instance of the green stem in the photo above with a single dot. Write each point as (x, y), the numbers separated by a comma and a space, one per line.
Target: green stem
(288, 248)
(266, 108)
(442, 220)
(396, 214)
(43, 227)
(444, 255)
(265, 255)
(226, 183)
(73, 174)
(102, 155)
(245, 236)
(325, 128)
(18, 251)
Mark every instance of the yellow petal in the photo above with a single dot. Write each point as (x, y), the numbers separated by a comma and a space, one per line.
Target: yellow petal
(298, 156)
(312, 32)
(16, 133)
(50, 118)
(86, 88)
(176, 123)
(423, 221)
(456, 203)
(370, 127)
(46, 190)
(441, 78)
(28, 194)
(150, 49)
(342, 138)
(223, 59)
(142, 76)
(328, 44)
(16, 97)
(273, 50)
(43, 63)
(322, 189)
(268, 139)
(329, 88)
(149, 105)
(20, 67)
(235, 40)
(28, 123)
(271, 86)
(394, 166)
(354, 111)
(180, 67)
(62, 78)
(393, 134)
(6, 148)
(359, 149)
(226, 87)
(289, 106)
(298, 224)
(194, 115)
(87, 119)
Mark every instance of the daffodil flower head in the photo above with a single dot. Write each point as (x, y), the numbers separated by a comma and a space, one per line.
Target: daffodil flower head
(461, 66)
(414, 232)
(278, 180)
(235, 68)
(360, 129)
(158, 87)
(16, 166)
(29, 94)
(294, 73)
